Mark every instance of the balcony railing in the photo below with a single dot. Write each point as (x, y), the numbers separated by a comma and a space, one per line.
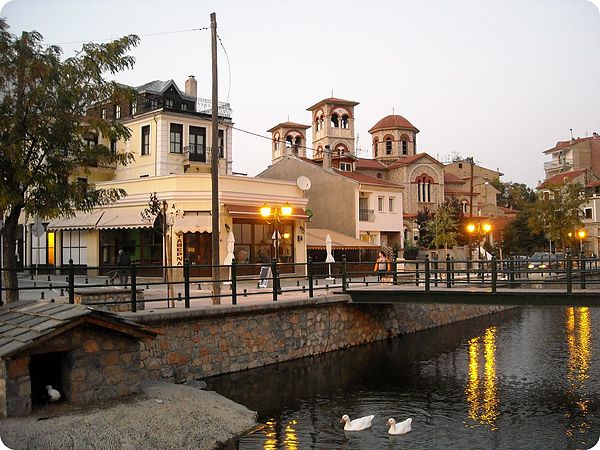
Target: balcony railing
(366, 215)
(204, 105)
(557, 164)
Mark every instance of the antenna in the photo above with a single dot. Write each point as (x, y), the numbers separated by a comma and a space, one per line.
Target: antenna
(393, 111)
(332, 92)
(571, 130)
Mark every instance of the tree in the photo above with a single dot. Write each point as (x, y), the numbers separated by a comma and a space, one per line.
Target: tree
(518, 237)
(443, 227)
(557, 212)
(423, 218)
(43, 123)
(514, 195)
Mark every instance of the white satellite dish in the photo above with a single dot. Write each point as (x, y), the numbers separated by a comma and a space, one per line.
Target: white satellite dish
(303, 183)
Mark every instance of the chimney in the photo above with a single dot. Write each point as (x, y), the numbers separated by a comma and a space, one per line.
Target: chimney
(191, 86)
(327, 158)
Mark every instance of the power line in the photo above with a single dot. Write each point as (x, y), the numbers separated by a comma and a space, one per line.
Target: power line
(139, 35)
(228, 66)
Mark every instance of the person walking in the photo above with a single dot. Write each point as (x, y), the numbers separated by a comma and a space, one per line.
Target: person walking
(123, 263)
(381, 265)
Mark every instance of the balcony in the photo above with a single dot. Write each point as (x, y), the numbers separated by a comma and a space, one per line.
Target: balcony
(204, 105)
(366, 215)
(558, 164)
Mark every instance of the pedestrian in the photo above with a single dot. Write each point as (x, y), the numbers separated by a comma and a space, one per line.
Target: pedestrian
(123, 263)
(381, 265)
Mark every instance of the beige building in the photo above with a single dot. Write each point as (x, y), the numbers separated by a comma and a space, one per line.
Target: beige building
(170, 135)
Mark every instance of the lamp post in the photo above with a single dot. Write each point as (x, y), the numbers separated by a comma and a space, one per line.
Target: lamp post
(276, 216)
(581, 234)
(480, 229)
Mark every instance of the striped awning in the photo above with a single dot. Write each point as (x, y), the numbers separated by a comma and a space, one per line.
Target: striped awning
(81, 221)
(315, 240)
(128, 217)
(200, 222)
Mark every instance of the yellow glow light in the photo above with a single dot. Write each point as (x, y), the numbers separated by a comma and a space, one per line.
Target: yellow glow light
(286, 210)
(487, 227)
(265, 211)
(471, 228)
(581, 234)
(286, 235)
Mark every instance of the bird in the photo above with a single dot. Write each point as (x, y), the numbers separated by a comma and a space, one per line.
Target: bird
(357, 424)
(399, 428)
(53, 394)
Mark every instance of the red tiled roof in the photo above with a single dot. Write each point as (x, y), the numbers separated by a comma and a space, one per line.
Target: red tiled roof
(366, 163)
(405, 161)
(289, 125)
(409, 215)
(563, 144)
(392, 122)
(559, 178)
(593, 184)
(450, 178)
(366, 179)
(337, 101)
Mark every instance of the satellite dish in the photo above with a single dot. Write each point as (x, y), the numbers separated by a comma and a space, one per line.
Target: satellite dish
(303, 183)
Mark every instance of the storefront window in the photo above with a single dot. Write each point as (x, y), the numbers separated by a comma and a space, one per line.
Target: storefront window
(254, 242)
(141, 244)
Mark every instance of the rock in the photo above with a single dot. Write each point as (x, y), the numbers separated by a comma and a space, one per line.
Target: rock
(198, 384)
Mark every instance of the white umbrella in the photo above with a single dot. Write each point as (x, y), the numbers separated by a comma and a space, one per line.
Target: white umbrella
(328, 246)
(230, 247)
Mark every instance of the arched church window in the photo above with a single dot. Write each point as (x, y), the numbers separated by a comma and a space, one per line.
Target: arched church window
(288, 142)
(375, 145)
(335, 121)
(345, 121)
(388, 145)
(276, 142)
(297, 144)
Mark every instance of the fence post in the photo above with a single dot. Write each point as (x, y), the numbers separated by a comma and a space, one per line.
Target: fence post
(511, 270)
(453, 273)
(436, 267)
(448, 273)
(395, 270)
(186, 282)
(309, 269)
(275, 279)
(494, 272)
(344, 273)
(569, 273)
(133, 288)
(582, 269)
(416, 272)
(427, 274)
(71, 282)
(233, 282)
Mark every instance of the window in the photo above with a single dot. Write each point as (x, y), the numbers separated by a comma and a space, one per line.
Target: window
(463, 206)
(145, 140)
(197, 144)
(74, 247)
(388, 146)
(346, 167)
(335, 121)
(375, 144)
(588, 213)
(91, 140)
(184, 106)
(345, 121)
(254, 243)
(169, 103)
(134, 107)
(380, 204)
(276, 142)
(113, 145)
(117, 111)
(288, 142)
(51, 248)
(103, 113)
(460, 165)
(424, 188)
(391, 204)
(297, 144)
(175, 138)
(221, 143)
(404, 147)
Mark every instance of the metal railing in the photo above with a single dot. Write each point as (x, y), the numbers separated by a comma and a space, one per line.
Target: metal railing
(366, 215)
(185, 286)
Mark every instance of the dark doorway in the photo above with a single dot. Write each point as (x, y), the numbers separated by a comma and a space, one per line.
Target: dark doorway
(46, 369)
(198, 248)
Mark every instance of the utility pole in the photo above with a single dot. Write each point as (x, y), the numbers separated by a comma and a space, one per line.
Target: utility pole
(214, 166)
(471, 162)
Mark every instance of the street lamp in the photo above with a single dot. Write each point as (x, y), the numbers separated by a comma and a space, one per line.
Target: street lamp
(581, 235)
(276, 216)
(479, 229)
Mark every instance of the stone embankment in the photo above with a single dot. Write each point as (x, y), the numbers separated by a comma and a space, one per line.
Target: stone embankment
(198, 343)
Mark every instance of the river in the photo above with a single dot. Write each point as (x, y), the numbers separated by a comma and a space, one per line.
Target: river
(524, 379)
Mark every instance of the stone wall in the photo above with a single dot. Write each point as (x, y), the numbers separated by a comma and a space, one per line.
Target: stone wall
(110, 298)
(202, 343)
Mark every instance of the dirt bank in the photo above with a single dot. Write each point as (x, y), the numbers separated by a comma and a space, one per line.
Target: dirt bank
(165, 416)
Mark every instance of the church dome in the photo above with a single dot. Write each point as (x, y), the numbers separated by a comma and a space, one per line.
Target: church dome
(393, 122)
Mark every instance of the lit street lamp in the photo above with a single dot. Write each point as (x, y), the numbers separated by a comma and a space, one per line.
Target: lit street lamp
(480, 229)
(581, 234)
(276, 216)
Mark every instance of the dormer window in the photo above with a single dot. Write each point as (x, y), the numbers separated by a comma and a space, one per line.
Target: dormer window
(346, 167)
(134, 108)
(169, 103)
(117, 111)
(184, 106)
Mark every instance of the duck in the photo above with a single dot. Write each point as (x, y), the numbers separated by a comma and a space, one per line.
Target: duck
(53, 394)
(357, 424)
(399, 428)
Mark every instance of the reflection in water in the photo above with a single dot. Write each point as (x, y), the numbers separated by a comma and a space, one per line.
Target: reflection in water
(482, 397)
(578, 328)
(290, 436)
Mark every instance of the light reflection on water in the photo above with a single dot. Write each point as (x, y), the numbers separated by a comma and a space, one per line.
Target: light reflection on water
(524, 379)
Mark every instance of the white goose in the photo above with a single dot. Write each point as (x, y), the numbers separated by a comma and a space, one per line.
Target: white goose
(53, 394)
(399, 428)
(357, 424)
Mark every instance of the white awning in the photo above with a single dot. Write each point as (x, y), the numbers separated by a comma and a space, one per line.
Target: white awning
(81, 221)
(200, 222)
(129, 217)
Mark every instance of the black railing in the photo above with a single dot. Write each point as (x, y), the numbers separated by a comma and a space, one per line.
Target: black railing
(179, 287)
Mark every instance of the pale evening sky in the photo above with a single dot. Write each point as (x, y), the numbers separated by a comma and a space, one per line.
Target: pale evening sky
(499, 80)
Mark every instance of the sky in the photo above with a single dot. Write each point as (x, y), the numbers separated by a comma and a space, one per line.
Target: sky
(501, 81)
